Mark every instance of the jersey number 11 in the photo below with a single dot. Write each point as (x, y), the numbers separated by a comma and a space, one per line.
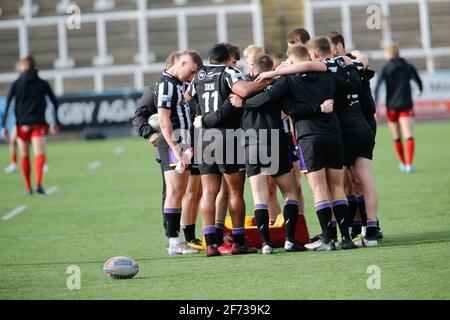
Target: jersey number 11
(215, 96)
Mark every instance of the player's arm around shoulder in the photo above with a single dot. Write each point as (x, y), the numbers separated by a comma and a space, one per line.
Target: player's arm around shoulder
(301, 67)
(239, 85)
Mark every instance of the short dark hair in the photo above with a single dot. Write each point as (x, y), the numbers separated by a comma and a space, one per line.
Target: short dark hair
(263, 63)
(301, 33)
(320, 44)
(336, 38)
(234, 50)
(219, 53)
(29, 61)
(299, 51)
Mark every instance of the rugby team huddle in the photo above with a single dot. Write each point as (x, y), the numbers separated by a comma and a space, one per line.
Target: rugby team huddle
(317, 100)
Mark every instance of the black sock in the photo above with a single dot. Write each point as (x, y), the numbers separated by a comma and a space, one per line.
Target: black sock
(173, 216)
(371, 230)
(362, 210)
(220, 226)
(238, 236)
(342, 213)
(189, 232)
(333, 229)
(356, 229)
(324, 213)
(262, 221)
(163, 195)
(210, 235)
(290, 214)
(353, 207)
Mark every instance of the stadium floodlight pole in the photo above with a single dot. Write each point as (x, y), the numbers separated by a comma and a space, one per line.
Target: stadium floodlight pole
(144, 56)
(346, 21)
(28, 10)
(222, 28)
(182, 31)
(63, 60)
(308, 15)
(425, 33)
(386, 28)
(257, 23)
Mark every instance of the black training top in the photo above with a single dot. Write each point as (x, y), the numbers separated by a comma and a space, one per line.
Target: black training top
(365, 94)
(398, 73)
(307, 91)
(146, 107)
(29, 92)
(346, 105)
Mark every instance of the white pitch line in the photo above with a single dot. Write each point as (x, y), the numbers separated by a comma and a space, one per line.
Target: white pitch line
(14, 212)
(94, 165)
(118, 150)
(52, 190)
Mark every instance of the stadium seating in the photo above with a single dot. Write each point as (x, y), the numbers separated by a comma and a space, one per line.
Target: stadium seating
(123, 45)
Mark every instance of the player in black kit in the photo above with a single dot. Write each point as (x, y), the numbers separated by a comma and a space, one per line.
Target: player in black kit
(320, 140)
(211, 87)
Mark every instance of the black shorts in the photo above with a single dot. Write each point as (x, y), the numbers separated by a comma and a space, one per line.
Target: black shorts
(168, 160)
(222, 165)
(195, 170)
(273, 165)
(358, 145)
(292, 150)
(373, 125)
(320, 152)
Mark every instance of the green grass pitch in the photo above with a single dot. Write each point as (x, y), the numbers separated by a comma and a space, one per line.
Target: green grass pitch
(115, 210)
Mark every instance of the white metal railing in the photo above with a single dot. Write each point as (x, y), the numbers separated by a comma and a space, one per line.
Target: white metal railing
(426, 51)
(64, 65)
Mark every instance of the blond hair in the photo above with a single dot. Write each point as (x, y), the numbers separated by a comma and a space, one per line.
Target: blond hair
(253, 51)
(171, 59)
(299, 51)
(393, 49)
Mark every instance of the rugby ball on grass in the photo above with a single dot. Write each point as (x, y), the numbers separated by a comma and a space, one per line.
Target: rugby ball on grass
(121, 268)
(153, 121)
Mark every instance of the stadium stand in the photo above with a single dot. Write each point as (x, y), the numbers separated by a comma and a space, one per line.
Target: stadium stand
(82, 59)
(99, 55)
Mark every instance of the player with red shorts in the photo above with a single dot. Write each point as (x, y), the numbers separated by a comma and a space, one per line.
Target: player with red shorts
(397, 74)
(30, 92)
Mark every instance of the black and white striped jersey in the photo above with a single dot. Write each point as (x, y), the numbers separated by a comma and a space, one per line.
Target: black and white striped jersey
(212, 85)
(169, 95)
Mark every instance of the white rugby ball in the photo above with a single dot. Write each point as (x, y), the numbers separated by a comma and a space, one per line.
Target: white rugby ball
(153, 121)
(121, 268)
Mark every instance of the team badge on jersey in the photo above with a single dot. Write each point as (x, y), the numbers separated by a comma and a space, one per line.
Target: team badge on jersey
(201, 75)
(340, 62)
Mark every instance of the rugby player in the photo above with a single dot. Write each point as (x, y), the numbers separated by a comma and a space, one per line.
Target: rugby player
(298, 37)
(355, 196)
(319, 138)
(175, 123)
(30, 92)
(262, 116)
(211, 87)
(251, 53)
(12, 166)
(225, 247)
(146, 106)
(397, 74)
(358, 138)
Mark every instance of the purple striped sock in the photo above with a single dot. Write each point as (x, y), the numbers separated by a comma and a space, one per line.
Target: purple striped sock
(294, 202)
(260, 207)
(172, 210)
(209, 230)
